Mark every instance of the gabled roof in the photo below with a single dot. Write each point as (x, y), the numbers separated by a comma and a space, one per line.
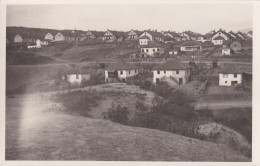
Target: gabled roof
(144, 37)
(155, 34)
(174, 34)
(225, 33)
(75, 71)
(97, 33)
(218, 38)
(191, 43)
(173, 64)
(192, 34)
(118, 33)
(120, 65)
(137, 32)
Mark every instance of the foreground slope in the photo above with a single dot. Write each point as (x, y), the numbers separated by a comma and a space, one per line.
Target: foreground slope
(37, 130)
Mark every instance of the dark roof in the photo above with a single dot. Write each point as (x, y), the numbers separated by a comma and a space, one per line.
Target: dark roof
(218, 38)
(75, 71)
(137, 32)
(191, 43)
(168, 38)
(97, 33)
(232, 33)
(230, 69)
(225, 33)
(174, 34)
(119, 33)
(172, 65)
(120, 65)
(192, 34)
(151, 45)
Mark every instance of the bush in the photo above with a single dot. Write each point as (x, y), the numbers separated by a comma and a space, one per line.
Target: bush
(146, 85)
(117, 114)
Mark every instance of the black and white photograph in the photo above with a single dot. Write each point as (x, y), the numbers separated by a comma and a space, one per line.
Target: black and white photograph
(166, 82)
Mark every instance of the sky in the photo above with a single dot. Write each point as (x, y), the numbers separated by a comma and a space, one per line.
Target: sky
(200, 18)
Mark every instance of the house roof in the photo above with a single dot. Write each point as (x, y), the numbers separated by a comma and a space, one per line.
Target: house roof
(137, 32)
(120, 65)
(174, 34)
(191, 43)
(192, 34)
(218, 38)
(75, 71)
(155, 33)
(97, 33)
(118, 33)
(151, 45)
(173, 64)
(144, 37)
(225, 33)
(230, 69)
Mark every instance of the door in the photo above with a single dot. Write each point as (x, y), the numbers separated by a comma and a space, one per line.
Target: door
(234, 82)
(180, 81)
(157, 80)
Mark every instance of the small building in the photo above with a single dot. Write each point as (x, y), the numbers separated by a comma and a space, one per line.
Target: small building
(226, 51)
(190, 35)
(151, 50)
(134, 35)
(190, 46)
(49, 36)
(18, 39)
(230, 75)
(153, 35)
(173, 69)
(90, 35)
(218, 40)
(75, 76)
(110, 36)
(144, 40)
(173, 52)
(173, 35)
(222, 34)
(235, 46)
(121, 71)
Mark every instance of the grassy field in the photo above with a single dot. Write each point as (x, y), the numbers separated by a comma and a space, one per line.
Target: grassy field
(38, 130)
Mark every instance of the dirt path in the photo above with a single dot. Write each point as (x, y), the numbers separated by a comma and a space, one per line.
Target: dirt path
(36, 129)
(223, 104)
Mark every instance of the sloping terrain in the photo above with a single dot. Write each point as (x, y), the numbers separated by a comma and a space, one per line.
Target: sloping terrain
(36, 129)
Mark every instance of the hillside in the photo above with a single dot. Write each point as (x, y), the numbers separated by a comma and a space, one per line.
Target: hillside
(45, 133)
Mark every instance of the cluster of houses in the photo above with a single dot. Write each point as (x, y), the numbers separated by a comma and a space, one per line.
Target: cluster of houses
(146, 39)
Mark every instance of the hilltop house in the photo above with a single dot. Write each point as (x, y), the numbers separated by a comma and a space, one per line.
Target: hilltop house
(110, 36)
(144, 40)
(94, 35)
(18, 38)
(222, 34)
(226, 51)
(133, 35)
(242, 36)
(191, 35)
(151, 50)
(75, 76)
(230, 75)
(174, 70)
(153, 36)
(219, 40)
(67, 35)
(173, 35)
(49, 36)
(190, 46)
(121, 71)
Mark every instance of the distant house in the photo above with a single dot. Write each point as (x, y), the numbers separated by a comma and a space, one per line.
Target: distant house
(153, 36)
(173, 52)
(121, 71)
(49, 36)
(230, 75)
(172, 69)
(59, 37)
(235, 46)
(144, 40)
(90, 35)
(233, 35)
(151, 50)
(110, 36)
(190, 46)
(191, 35)
(173, 35)
(134, 35)
(67, 35)
(219, 40)
(250, 34)
(242, 36)
(226, 51)
(222, 34)
(18, 38)
(75, 76)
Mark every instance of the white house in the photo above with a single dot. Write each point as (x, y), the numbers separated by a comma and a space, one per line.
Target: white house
(59, 37)
(219, 40)
(110, 36)
(226, 51)
(173, 35)
(230, 75)
(151, 50)
(133, 35)
(121, 71)
(172, 69)
(18, 38)
(190, 46)
(144, 40)
(94, 35)
(75, 76)
(153, 36)
(222, 34)
(49, 36)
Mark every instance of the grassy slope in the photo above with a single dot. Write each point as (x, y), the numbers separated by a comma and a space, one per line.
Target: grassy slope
(47, 134)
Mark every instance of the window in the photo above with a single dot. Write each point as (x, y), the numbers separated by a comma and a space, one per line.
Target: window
(225, 81)
(129, 71)
(121, 72)
(177, 71)
(146, 50)
(135, 71)
(142, 49)
(164, 72)
(158, 49)
(225, 76)
(235, 75)
(153, 50)
(158, 72)
(77, 76)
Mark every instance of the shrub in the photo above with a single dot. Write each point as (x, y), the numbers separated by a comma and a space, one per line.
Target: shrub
(118, 114)
(146, 85)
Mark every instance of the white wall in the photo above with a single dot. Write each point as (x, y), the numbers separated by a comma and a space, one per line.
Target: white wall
(73, 80)
(220, 34)
(171, 73)
(147, 34)
(126, 73)
(226, 51)
(48, 36)
(217, 42)
(151, 51)
(225, 79)
(18, 39)
(59, 37)
(143, 41)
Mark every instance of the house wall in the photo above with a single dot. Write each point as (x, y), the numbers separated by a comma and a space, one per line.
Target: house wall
(184, 74)
(132, 36)
(59, 37)
(72, 79)
(151, 51)
(147, 34)
(217, 42)
(49, 36)
(143, 41)
(185, 35)
(225, 79)
(226, 51)
(18, 39)
(126, 73)
(190, 48)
